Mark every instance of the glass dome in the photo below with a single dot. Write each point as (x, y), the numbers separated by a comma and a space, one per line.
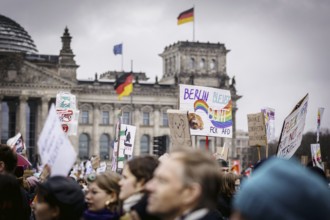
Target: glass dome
(14, 38)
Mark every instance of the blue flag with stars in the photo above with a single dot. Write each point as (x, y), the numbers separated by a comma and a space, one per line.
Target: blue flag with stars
(118, 49)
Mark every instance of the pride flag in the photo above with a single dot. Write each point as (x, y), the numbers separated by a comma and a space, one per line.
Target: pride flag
(186, 16)
(124, 85)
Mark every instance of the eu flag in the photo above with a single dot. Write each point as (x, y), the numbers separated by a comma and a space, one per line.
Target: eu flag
(118, 49)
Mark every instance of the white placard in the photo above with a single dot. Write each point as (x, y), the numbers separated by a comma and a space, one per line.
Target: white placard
(269, 114)
(292, 131)
(127, 137)
(54, 146)
(210, 110)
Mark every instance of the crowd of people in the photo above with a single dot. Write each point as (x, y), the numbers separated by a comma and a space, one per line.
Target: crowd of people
(186, 184)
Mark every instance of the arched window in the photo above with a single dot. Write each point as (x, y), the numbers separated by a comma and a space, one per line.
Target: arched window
(202, 63)
(104, 147)
(145, 144)
(213, 64)
(192, 63)
(83, 146)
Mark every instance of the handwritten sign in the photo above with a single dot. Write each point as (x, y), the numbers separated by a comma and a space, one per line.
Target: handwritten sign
(292, 131)
(179, 128)
(67, 112)
(257, 129)
(55, 147)
(209, 110)
(316, 156)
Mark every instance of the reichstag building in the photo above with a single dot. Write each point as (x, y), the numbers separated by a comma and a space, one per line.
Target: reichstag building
(30, 80)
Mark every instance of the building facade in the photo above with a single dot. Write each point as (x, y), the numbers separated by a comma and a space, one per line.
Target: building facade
(30, 81)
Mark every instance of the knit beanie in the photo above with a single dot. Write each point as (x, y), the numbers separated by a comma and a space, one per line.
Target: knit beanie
(283, 189)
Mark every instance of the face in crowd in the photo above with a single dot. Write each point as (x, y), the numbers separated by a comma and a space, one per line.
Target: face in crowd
(129, 185)
(103, 190)
(168, 193)
(136, 173)
(180, 183)
(59, 198)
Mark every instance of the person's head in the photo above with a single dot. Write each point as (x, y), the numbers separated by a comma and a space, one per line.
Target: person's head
(59, 198)
(188, 180)
(136, 173)
(11, 200)
(282, 189)
(223, 165)
(228, 184)
(103, 192)
(8, 159)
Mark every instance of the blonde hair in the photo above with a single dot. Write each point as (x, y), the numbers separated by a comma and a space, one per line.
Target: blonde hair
(200, 168)
(109, 182)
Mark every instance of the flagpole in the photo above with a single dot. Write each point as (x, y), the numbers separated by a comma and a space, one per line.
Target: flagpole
(122, 57)
(194, 23)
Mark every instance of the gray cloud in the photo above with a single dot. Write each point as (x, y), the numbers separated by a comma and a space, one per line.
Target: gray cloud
(279, 49)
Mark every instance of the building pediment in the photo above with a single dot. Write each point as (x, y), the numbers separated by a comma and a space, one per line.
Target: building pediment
(31, 74)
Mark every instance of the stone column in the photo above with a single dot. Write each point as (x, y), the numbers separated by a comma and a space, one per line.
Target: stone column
(95, 133)
(43, 114)
(137, 134)
(156, 120)
(156, 124)
(21, 125)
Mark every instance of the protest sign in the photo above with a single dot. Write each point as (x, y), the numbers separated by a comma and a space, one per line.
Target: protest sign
(179, 128)
(292, 130)
(209, 110)
(257, 129)
(66, 109)
(16, 143)
(222, 152)
(127, 137)
(316, 156)
(55, 147)
(269, 114)
(102, 168)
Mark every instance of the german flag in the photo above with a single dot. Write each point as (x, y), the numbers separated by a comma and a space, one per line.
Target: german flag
(186, 16)
(124, 85)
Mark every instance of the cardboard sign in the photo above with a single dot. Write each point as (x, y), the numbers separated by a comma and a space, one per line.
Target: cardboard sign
(55, 147)
(179, 128)
(292, 131)
(209, 110)
(257, 129)
(95, 160)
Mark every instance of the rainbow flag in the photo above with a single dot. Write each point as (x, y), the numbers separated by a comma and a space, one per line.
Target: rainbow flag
(186, 16)
(124, 85)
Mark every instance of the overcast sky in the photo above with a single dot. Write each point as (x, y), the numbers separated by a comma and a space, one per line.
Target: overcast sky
(280, 49)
